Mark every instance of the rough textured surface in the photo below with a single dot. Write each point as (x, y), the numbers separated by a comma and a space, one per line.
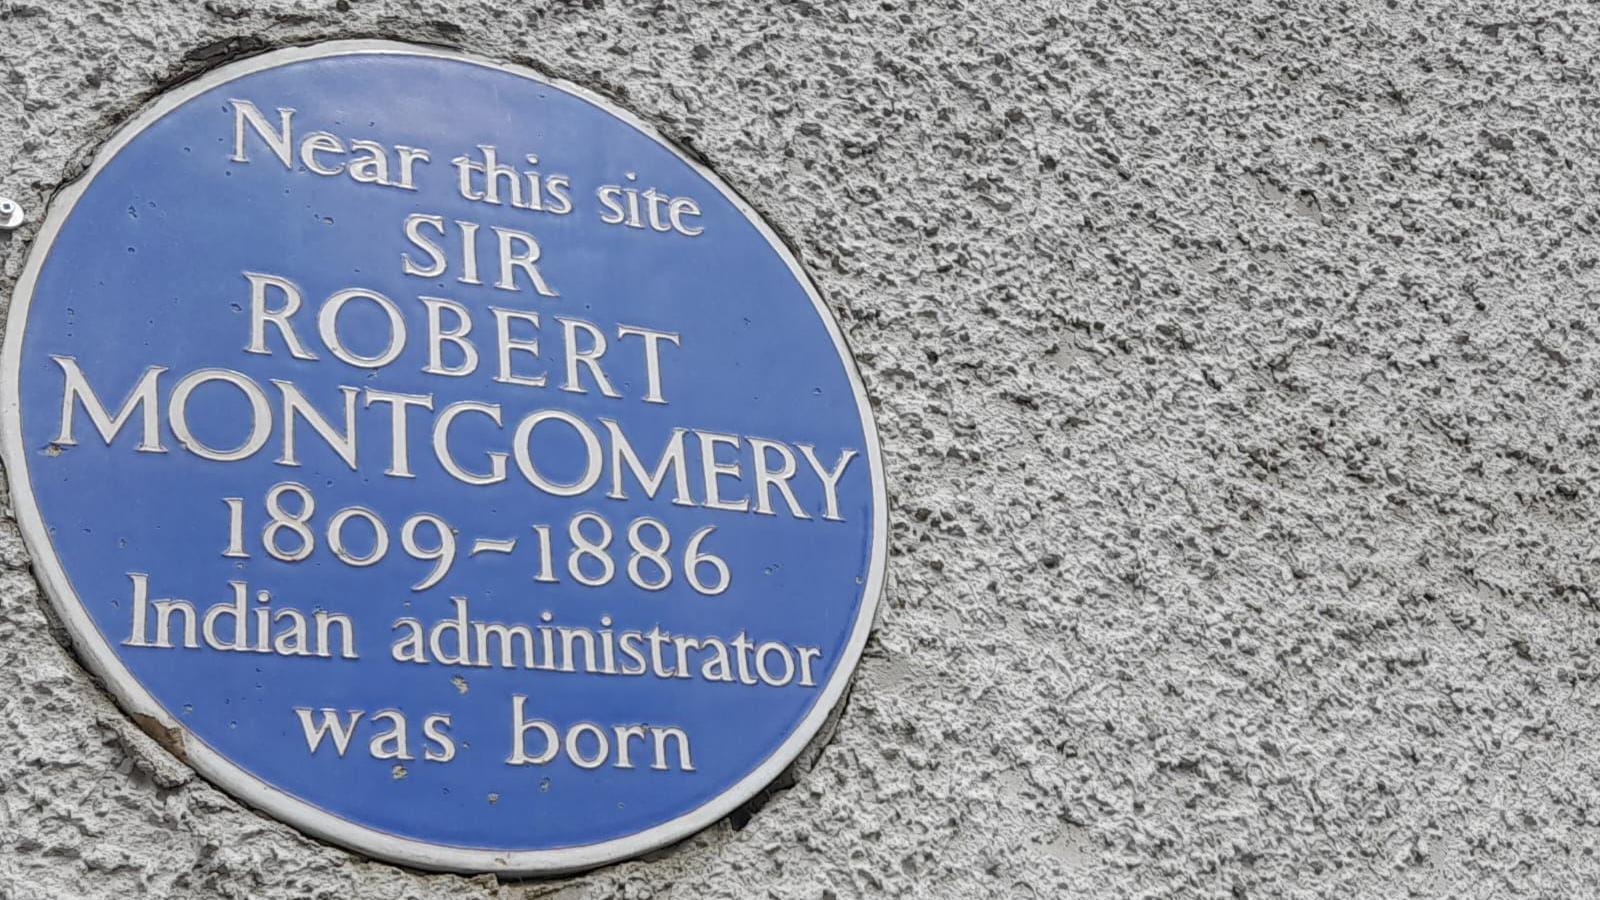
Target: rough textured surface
(1236, 371)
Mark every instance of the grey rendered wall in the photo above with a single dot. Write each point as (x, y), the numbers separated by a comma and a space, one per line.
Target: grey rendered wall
(1236, 369)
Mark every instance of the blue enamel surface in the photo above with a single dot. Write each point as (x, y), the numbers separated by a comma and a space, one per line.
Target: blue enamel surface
(147, 270)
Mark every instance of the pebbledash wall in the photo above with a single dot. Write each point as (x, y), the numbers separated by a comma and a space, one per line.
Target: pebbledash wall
(1236, 370)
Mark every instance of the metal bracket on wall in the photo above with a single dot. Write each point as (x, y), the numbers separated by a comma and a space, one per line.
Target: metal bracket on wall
(10, 214)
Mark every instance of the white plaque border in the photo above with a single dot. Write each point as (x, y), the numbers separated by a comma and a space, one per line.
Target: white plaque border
(99, 656)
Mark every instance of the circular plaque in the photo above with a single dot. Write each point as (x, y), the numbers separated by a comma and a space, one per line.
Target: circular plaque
(440, 461)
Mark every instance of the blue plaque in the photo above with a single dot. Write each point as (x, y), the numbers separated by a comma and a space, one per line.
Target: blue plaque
(440, 461)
